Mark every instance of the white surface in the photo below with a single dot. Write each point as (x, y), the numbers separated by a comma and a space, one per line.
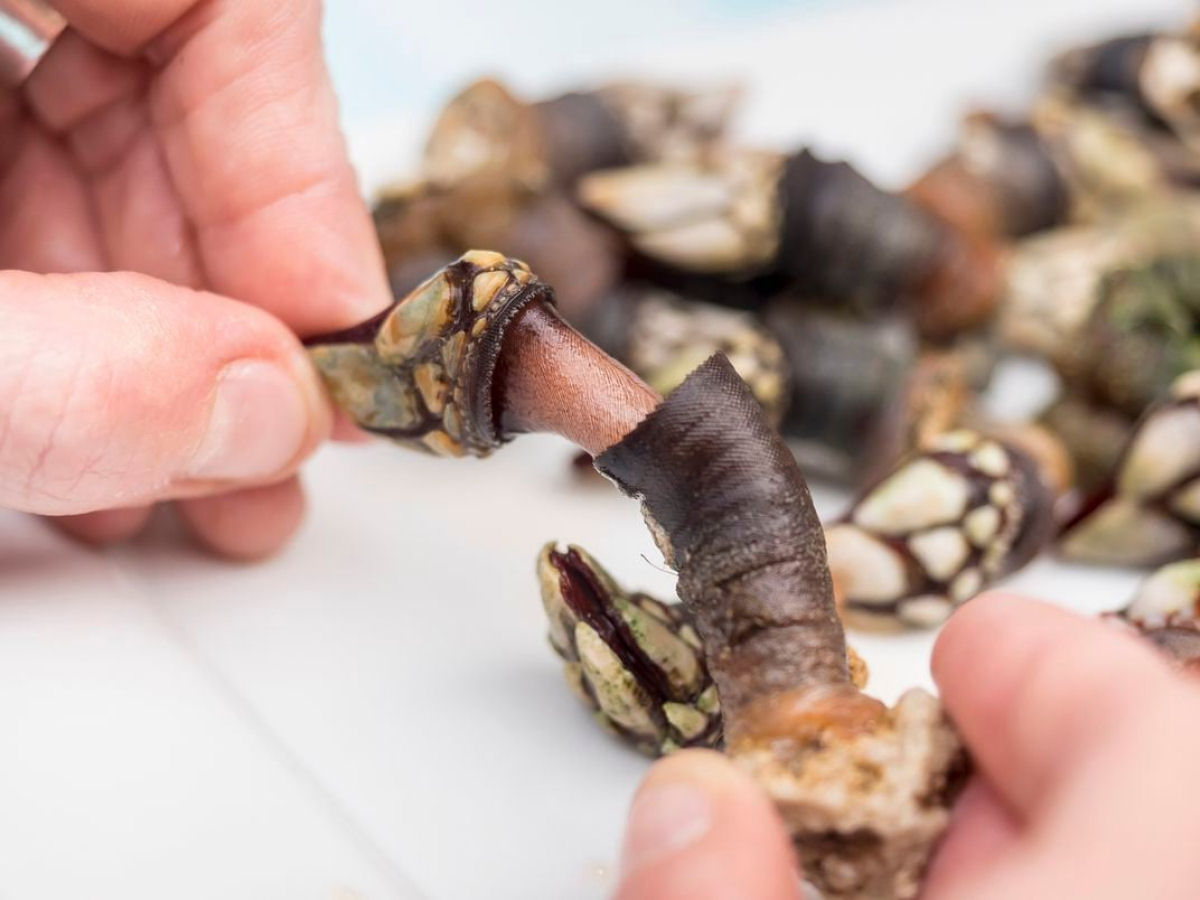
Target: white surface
(375, 713)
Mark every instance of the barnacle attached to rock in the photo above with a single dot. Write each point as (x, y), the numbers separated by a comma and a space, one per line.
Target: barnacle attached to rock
(949, 521)
(1149, 513)
(1143, 333)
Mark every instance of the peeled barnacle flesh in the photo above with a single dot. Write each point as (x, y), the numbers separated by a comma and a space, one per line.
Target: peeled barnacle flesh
(965, 511)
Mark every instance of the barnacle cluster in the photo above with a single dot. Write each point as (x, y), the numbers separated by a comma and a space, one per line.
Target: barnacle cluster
(774, 295)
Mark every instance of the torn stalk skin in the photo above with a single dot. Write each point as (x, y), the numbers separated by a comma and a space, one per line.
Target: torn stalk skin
(729, 508)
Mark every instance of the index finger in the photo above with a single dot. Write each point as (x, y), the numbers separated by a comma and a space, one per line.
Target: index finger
(247, 122)
(1037, 691)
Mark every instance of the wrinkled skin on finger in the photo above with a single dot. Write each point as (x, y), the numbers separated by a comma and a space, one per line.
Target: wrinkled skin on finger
(195, 141)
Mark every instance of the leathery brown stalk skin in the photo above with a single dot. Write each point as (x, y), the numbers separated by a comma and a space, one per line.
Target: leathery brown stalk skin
(1149, 513)
(635, 662)
(864, 789)
(938, 529)
(1166, 611)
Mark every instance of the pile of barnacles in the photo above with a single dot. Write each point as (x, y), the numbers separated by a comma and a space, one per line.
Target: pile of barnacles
(724, 317)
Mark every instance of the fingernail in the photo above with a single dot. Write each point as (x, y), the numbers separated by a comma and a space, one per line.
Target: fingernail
(257, 426)
(664, 819)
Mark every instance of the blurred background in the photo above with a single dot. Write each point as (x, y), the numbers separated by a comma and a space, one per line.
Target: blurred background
(375, 713)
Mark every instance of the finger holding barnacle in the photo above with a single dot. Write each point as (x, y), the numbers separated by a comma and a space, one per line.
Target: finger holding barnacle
(932, 534)
(486, 130)
(1166, 611)
(1149, 513)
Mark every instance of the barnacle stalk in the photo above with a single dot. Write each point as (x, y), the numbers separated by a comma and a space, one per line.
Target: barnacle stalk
(1157, 75)
(863, 392)
(474, 356)
(936, 531)
(1149, 513)
(863, 788)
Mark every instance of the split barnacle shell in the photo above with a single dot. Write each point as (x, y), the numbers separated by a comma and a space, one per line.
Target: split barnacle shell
(636, 662)
(421, 371)
(1150, 512)
(951, 519)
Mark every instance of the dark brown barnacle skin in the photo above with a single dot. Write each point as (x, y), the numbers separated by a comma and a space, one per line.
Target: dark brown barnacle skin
(422, 372)
(1149, 512)
(757, 591)
(936, 531)
(843, 237)
(733, 515)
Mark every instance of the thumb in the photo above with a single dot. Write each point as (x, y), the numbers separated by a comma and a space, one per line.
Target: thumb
(117, 390)
(700, 829)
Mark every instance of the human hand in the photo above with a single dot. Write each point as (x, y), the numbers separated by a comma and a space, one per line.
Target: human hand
(1085, 743)
(194, 142)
